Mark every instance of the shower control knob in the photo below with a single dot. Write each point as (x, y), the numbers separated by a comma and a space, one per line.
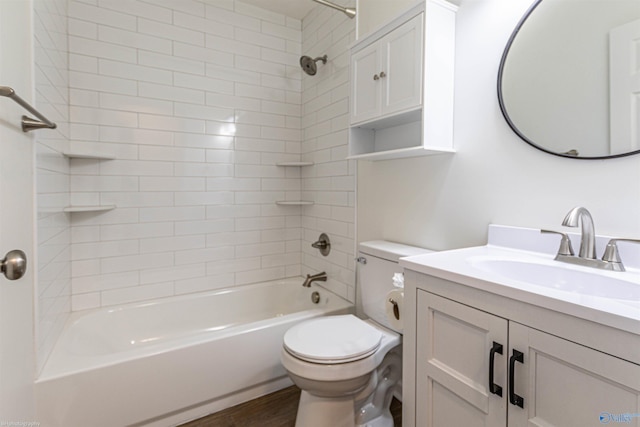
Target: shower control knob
(382, 74)
(14, 264)
(375, 77)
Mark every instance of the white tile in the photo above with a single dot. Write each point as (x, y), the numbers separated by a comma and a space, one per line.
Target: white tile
(133, 39)
(221, 28)
(103, 183)
(87, 64)
(191, 198)
(138, 293)
(135, 231)
(135, 136)
(187, 6)
(98, 15)
(173, 273)
(174, 154)
(232, 46)
(82, 285)
(135, 262)
(204, 170)
(200, 227)
(172, 184)
(215, 13)
(172, 214)
(100, 116)
(173, 243)
(80, 28)
(208, 84)
(260, 39)
(100, 49)
(95, 82)
(170, 32)
(134, 71)
(136, 168)
(196, 256)
(203, 112)
(201, 284)
(158, 122)
(134, 104)
(138, 8)
(170, 93)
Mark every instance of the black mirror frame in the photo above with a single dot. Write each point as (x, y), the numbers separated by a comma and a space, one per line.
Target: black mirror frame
(503, 108)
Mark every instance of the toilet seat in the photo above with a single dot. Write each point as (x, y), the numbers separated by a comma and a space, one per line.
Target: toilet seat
(332, 339)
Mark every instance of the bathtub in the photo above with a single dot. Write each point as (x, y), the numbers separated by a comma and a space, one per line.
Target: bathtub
(164, 362)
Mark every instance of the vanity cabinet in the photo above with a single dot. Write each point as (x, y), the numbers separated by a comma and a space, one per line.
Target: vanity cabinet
(401, 102)
(387, 75)
(477, 359)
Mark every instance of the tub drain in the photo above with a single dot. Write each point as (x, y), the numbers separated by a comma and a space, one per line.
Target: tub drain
(315, 297)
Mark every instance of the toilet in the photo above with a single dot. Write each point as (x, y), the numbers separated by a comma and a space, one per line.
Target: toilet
(349, 369)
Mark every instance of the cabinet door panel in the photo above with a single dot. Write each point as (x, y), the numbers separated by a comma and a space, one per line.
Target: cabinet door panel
(403, 67)
(567, 384)
(366, 92)
(453, 346)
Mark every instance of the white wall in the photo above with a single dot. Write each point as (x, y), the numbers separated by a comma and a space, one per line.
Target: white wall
(447, 201)
(330, 182)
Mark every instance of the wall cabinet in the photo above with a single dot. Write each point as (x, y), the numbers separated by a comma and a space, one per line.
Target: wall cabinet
(401, 100)
(473, 367)
(387, 75)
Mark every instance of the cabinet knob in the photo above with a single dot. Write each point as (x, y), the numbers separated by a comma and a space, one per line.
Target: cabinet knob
(375, 77)
(382, 74)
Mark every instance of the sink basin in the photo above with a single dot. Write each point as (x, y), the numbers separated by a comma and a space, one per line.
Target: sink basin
(562, 278)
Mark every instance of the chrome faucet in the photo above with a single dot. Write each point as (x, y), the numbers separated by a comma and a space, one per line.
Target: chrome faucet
(587, 254)
(588, 233)
(320, 277)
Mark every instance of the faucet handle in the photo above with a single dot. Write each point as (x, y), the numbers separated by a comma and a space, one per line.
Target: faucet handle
(611, 253)
(565, 243)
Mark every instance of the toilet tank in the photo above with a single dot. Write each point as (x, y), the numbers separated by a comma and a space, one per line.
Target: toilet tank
(377, 263)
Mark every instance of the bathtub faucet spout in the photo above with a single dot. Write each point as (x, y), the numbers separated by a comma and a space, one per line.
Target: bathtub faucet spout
(320, 277)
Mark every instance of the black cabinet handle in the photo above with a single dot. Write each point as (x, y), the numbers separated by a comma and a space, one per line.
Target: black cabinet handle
(516, 400)
(494, 388)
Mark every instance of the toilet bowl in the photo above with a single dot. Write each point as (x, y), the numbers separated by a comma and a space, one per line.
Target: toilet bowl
(347, 368)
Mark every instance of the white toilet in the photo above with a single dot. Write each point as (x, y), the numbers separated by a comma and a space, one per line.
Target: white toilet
(348, 368)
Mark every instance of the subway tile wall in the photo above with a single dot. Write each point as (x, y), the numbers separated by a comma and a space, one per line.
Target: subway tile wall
(53, 276)
(198, 101)
(330, 183)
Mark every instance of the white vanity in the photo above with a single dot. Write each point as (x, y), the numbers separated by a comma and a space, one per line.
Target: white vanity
(504, 335)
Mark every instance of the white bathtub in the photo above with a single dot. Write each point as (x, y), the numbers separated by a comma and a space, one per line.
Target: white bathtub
(167, 361)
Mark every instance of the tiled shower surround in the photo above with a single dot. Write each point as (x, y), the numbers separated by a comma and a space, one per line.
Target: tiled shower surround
(198, 101)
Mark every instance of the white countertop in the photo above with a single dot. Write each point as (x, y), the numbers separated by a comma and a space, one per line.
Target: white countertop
(458, 266)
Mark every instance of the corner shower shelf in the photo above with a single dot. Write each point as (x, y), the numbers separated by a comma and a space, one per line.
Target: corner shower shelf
(292, 164)
(294, 202)
(89, 208)
(72, 155)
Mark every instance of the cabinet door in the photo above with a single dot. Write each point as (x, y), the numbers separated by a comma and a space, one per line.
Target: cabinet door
(402, 53)
(366, 88)
(567, 384)
(453, 348)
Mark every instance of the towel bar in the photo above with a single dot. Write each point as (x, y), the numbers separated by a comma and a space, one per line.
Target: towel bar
(28, 124)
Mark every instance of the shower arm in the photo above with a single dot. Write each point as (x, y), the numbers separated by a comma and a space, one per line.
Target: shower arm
(349, 11)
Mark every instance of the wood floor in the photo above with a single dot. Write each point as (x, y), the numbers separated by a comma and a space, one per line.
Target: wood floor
(273, 410)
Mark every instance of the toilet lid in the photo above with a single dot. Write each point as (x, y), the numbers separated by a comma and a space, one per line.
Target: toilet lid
(332, 339)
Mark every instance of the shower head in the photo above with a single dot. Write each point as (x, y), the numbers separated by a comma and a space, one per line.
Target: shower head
(308, 64)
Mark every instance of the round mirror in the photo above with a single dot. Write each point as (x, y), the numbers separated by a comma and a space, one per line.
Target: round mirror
(569, 79)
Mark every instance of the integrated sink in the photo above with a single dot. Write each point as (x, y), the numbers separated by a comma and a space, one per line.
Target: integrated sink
(561, 277)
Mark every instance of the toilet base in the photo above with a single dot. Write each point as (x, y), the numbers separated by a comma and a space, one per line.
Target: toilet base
(315, 411)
